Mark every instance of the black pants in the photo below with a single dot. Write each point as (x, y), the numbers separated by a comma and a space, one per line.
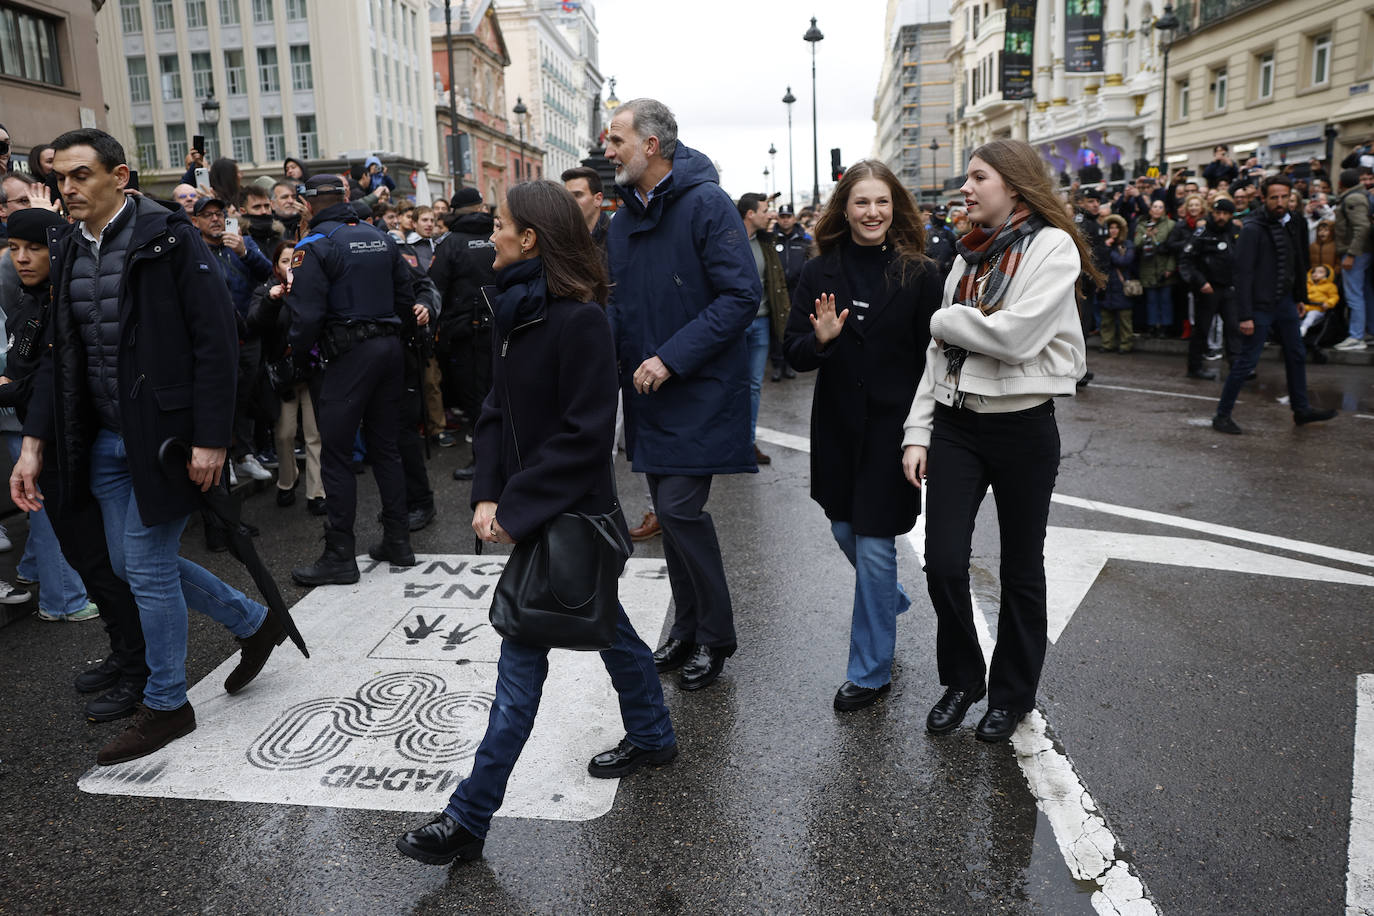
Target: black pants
(250, 409)
(362, 386)
(408, 441)
(81, 535)
(1017, 454)
(701, 598)
(1207, 306)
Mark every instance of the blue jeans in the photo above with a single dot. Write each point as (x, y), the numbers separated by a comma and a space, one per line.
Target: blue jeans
(60, 590)
(1285, 319)
(164, 584)
(1355, 284)
(520, 675)
(878, 599)
(1159, 306)
(756, 338)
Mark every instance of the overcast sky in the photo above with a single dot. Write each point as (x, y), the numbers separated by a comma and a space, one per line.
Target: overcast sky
(723, 67)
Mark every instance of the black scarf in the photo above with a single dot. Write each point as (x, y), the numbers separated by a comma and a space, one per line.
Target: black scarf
(519, 296)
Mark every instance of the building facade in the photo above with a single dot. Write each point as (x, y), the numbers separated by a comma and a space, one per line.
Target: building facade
(914, 105)
(49, 77)
(555, 73)
(1105, 120)
(268, 63)
(981, 111)
(1276, 80)
(492, 156)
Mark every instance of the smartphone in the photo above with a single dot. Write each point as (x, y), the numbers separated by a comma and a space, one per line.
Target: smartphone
(202, 178)
(198, 143)
(231, 224)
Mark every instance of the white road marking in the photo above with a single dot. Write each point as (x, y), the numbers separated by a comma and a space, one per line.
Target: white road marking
(388, 711)
(1359, 879)
(1170, 394)
(1225, 531)
(802, 444)
(1081, 832)
(1364, 416)
(1075, 556)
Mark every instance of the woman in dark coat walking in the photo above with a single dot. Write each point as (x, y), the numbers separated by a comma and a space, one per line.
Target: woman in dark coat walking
(861, 316)
(553, 379)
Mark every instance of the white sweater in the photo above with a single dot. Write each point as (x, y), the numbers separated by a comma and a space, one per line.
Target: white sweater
(1033, 345)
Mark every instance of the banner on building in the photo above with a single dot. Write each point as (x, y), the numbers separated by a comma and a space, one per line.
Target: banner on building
(1018, 65)
(1083, 36)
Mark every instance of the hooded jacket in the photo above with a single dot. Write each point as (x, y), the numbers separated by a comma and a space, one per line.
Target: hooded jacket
(684, 289)
(461, 266)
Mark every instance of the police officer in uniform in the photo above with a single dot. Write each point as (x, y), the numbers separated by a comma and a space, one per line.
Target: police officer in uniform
(461, 267)
(349, 290)
(1207, 266)
(793, 246)
(940, 239)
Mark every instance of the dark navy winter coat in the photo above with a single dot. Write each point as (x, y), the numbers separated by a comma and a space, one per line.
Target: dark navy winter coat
(685, 288)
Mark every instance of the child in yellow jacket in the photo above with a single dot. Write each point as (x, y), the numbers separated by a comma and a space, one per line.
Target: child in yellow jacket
(1322, 296)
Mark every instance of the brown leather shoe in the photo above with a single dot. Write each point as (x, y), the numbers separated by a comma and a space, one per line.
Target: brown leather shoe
(650, 528)
(152, 730)
(760, 457)
(253, 653)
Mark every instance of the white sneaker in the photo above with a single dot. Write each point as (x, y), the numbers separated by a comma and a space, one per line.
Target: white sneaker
(250, 467)
(1351, 343)
(5, 542)
(12, 594)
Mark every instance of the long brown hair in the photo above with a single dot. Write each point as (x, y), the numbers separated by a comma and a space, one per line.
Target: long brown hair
(907, 234)
(1023, 171)
(572, 264)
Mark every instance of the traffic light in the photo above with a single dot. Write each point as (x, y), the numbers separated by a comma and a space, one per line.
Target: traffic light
(836, 170)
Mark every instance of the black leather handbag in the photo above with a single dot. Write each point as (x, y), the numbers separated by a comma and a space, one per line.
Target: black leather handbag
(559, 589)
(560, 586)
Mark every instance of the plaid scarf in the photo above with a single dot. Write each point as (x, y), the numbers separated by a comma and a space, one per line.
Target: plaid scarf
(990, 261)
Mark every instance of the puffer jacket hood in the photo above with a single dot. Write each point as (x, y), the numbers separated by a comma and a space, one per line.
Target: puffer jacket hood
(690, 168)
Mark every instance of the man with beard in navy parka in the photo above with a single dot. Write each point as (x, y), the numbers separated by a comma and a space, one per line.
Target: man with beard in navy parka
(684, 290)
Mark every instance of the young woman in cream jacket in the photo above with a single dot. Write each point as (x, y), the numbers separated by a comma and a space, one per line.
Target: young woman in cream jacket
(1006, 341)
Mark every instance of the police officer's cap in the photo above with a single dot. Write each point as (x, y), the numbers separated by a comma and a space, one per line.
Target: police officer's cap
(465, 197)
(1224, 204)
(786, 210)
(323, 184)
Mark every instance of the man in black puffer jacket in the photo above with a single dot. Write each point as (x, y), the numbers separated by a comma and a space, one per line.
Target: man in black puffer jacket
(461, 267)
(144, 350)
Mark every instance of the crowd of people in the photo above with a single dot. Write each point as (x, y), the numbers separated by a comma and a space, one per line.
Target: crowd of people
(164, 350)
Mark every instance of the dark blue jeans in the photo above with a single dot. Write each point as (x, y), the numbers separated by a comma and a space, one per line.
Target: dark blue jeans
(1283, 319)
(520, 675)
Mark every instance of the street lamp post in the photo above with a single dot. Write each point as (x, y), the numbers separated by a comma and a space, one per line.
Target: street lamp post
(209, 113)
(766, 173)
(520, 112)
(1165, 25)
(457, 170)
(814, 36)
(935, 167)
(791, 184)
(773, 164)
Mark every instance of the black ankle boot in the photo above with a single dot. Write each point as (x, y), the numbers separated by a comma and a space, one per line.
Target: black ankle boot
(394, 547)
(336, 566)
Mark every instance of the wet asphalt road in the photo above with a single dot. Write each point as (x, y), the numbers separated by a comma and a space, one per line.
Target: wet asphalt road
(1209, 712)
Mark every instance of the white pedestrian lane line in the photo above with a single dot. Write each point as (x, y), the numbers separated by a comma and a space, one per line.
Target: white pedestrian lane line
(1359, 879)
(1236, 534)
(1085, 840)
(1257, 538)
(1169, 394)
(1364, 416)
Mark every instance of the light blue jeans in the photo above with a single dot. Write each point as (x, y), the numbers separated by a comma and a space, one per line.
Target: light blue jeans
(1355, 285)
(60, 589)
(756, 338)
(164, 584)
(878, 599)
